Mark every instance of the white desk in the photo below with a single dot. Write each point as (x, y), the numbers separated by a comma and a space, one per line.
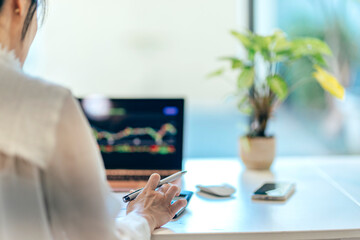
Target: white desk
(326, 204)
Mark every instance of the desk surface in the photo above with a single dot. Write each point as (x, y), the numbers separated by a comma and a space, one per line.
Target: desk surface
(326, 204)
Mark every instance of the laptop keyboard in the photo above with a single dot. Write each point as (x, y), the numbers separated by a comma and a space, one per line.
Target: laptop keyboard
(129, 178)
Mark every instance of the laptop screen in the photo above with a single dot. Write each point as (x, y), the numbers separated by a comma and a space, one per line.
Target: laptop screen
(137, 133)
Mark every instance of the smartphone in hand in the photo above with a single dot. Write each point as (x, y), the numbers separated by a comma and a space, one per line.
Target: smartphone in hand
(185, 195)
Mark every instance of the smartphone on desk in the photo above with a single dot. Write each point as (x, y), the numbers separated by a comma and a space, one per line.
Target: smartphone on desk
(183, 195)
(274, 191)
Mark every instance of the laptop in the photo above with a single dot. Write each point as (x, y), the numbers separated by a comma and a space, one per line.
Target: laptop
(137, 137)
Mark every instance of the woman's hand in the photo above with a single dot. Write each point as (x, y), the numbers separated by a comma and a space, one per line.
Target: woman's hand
(155, 206)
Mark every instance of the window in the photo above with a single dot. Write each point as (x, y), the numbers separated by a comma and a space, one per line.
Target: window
(310, 122)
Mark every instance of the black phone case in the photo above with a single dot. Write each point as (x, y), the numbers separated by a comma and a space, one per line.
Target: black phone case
(186, 195)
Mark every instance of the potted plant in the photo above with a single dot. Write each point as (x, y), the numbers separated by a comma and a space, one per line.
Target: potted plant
(260, 88)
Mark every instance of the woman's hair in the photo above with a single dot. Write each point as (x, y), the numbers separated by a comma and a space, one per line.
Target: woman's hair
(34, 4)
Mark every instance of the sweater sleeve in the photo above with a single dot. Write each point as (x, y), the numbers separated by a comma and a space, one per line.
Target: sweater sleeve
(133, 227)
(79, 200)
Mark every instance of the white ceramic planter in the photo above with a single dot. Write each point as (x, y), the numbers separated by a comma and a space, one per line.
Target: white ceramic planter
(257, 153)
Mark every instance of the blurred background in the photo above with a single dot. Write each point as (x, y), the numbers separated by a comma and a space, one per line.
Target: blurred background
(159, 48)
(319, 124)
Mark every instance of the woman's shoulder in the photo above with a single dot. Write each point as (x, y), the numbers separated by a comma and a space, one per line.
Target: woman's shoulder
(32, 87)
(31, 109)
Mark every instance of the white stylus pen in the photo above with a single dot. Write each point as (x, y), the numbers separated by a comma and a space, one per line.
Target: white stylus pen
(169, 179)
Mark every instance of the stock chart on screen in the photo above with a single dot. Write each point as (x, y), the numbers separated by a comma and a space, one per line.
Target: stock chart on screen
(137, 133)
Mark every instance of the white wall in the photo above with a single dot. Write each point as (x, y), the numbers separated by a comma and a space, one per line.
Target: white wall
(137, 47)
(148, 48)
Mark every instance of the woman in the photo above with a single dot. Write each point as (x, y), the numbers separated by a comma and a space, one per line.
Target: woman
(52, 182)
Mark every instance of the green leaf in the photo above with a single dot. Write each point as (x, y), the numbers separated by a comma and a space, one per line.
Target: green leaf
(251, 54)
(246, 109)
(282, 56)
(244, 106)
(278, 86)
(279, 35)
(216, 73)
(309, 47)
(246, 40)
(262, 44)
(319, 60)
(236, 63)
(266, 54)
(246, 78)
(281, 47)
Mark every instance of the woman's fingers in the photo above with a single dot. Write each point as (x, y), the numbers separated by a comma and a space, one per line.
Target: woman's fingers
(171, 193)
(164, 188)
(153, 182)
(156, 205)
(177, 182)
(176, 206)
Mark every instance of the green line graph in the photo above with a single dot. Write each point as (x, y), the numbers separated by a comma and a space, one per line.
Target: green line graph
(129, 131)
